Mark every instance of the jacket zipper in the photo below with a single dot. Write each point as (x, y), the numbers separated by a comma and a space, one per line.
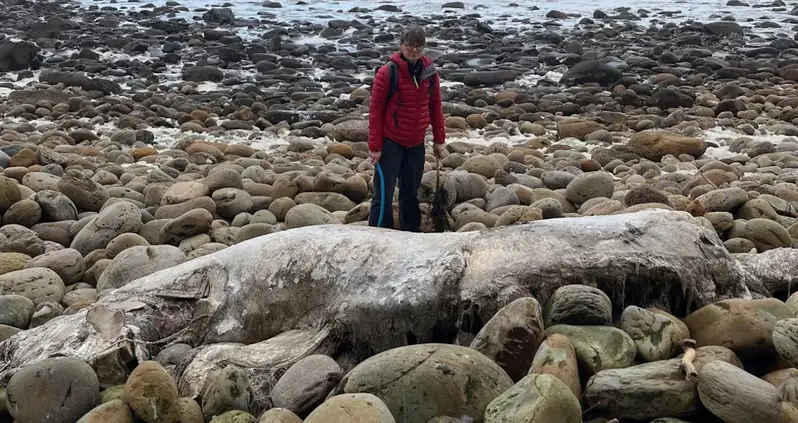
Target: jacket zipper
(418, 88)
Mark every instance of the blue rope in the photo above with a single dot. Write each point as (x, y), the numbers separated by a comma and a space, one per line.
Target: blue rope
(382, 195)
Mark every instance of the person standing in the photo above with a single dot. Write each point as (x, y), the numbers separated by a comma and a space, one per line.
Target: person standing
(401, 110)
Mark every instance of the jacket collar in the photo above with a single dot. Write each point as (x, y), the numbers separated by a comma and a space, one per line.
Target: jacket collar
(429, 68)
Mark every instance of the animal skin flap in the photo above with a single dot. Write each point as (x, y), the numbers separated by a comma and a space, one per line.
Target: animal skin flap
(196, 285)
(108, 322)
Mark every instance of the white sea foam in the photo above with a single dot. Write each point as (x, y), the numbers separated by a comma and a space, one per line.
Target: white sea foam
(518, 15)
(18, 83)
(478, 138)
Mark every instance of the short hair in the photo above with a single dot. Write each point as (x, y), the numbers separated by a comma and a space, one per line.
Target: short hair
(413, 35)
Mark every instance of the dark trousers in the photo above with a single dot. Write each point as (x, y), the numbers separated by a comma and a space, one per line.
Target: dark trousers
(406, 164)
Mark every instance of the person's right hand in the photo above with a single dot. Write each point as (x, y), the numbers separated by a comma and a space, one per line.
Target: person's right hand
(375, 156)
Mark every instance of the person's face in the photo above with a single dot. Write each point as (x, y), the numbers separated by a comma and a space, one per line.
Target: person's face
(412, 51)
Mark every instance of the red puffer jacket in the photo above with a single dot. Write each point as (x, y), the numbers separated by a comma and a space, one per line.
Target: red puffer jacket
(411, 110)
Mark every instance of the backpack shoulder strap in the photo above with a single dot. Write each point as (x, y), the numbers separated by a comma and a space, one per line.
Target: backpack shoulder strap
(393, 79)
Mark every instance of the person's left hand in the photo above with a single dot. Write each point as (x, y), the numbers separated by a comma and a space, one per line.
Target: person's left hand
(438, 149)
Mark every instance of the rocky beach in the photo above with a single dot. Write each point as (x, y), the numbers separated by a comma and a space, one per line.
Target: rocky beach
(184, 195)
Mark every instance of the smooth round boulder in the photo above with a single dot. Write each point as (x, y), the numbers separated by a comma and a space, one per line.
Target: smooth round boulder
(193, 243)
(55, 206)
(137, 262)
(332, 201)
(306, 384)
(537, 398)
(656, 144)
(501, 197)
(173, 354)
(10, 262)
(232, 201)
(515, 215)
(85, 193)
(550, 208)
(38, 181)
(445, 379)
(67, 263)
(280, 207)
(223, 177)
(308, 214)
(25, 212)
(744, 326)
(739, 245)
(253, 230)
(111, 222)
(791, 303)
(724, 199)
(655, 335)
(190, 223)
(767, 234)
(721, 221)
(116, 411)
(263, 216)
(180, 192)
(234, 416)
(225, 390)
(175, 210)
(511, 336)
(348, 408)
(645, 195)
(737, 396)
(16, 311)
(190, 411)
(756, 208)
(779, 376)
(356, 188)
(590, 185)
(578, 305)
(279, 415)
(328, 182)
(152, 394)
(19, 239)
(557, 179)
(205, 249)
(469, 185)
(122, 243)
(38, 284)
(112, 393)
(9, 193)
(53, 390)
(6, 332)
(785, 339)
(482, 165)
(598, 347)
(557, 357)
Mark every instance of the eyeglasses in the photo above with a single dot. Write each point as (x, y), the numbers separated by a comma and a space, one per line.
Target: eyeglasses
(417, 48)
